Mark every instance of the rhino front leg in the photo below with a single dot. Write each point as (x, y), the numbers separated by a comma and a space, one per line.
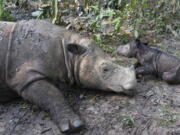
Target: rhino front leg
(144, 70)
(48, 97)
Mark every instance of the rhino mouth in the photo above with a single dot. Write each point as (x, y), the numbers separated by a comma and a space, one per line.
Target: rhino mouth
(121, 89)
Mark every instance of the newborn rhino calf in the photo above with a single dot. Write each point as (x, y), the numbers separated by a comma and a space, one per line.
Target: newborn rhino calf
(38, 58)
(152, 61)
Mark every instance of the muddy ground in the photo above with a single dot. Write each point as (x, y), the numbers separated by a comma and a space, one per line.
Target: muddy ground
(154, 110)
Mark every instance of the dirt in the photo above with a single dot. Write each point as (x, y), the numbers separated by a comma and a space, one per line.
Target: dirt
(154, 110)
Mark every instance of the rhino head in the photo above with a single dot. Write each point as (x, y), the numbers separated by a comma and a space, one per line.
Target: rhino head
(130, 49)
(94, 69)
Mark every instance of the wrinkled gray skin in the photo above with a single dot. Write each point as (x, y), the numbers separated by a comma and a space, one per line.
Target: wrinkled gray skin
(152, 61)
(37, 58)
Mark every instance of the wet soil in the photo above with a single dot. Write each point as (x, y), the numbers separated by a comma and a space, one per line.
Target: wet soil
(154, 110)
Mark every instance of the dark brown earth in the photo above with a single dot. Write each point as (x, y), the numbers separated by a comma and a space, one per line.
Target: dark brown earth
(154, 110)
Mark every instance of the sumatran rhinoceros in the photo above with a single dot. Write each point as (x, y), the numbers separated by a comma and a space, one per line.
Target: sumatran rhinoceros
(152, 61)
(37, 58)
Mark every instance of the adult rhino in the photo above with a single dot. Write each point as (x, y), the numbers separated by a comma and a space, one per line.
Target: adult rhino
(36, 57)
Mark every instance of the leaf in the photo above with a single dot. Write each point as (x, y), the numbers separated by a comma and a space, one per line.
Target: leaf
(96, 37)
(37, 13)
(136, 34)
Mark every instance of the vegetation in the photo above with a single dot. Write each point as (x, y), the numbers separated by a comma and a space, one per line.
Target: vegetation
(127, 120)
(137, 16)
(109, 18)
(167, 116)
(117, 18)
(4, 14)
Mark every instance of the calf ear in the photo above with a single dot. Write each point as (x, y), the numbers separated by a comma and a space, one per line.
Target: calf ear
(76, 49)
(146, 44)
(138, 43)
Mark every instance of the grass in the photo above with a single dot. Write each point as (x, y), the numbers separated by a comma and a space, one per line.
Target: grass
(127, 120)
(167, 116)
(4, 14)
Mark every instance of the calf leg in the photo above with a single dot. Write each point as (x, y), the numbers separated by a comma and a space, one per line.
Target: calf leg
(48, 97)
(144, 70)
(172, 76)
(169, 77)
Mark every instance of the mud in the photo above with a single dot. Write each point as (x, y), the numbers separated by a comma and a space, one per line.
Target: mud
(155, 110)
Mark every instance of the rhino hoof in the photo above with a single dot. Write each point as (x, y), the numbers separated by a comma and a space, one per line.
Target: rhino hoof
(70, 126)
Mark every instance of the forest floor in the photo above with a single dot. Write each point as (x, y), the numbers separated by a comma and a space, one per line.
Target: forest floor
(154, 110)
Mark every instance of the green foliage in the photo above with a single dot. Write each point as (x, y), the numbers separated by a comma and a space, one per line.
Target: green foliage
(142, 15)
(138, 16)
(127, 121)
(156, 15)
(55, 11)
(168, 116)
(101, 42)
(49, 10)
(4, 14)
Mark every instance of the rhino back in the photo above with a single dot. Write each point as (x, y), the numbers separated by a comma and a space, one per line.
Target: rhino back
(38, 41)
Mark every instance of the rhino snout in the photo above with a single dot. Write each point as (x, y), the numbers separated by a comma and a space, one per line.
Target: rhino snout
(123, 50)
(129, 86)
(130, 82)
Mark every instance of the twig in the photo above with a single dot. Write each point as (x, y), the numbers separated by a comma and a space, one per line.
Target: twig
(46, 130)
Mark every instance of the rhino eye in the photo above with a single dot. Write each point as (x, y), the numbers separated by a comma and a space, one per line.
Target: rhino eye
(105, 69)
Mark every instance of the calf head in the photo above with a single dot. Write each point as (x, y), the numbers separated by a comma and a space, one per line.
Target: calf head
(97, 71)
(130, 50)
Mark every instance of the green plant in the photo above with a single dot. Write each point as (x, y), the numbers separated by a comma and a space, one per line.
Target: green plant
(4, 14)
(102, 44)
(127, 120)
(138, 16)
(55, 11)
(166, 116)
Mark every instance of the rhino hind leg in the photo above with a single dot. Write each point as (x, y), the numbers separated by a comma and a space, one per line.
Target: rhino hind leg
(49, 98)
(173, 76)
(144, 70)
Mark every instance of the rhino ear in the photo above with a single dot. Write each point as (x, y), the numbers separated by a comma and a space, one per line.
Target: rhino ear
(76, 49)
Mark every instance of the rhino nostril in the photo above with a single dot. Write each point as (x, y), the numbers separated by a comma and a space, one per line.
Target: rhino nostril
(105, 69)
